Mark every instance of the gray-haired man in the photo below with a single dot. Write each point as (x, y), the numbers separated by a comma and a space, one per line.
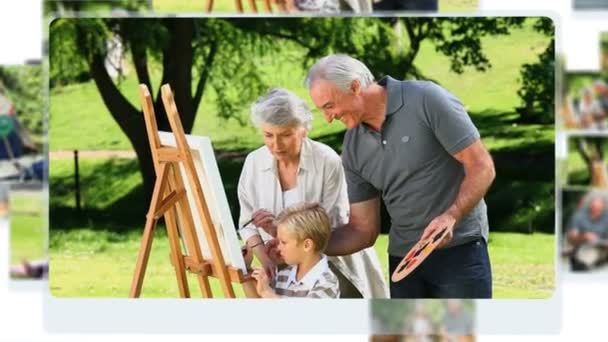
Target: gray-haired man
(412, 143)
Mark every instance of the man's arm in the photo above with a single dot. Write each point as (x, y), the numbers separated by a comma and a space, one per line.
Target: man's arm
(479, 174)
(360, 232)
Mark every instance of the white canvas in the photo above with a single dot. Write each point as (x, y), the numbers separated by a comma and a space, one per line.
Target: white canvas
(215, 196)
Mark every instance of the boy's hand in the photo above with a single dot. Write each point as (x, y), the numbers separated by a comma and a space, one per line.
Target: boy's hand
(263, 282)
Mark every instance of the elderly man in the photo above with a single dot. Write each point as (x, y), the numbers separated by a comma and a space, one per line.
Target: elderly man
(589, 223)
(412, 143)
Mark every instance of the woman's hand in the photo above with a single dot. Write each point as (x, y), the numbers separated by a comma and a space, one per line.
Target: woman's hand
(271, 249)
(265, 220)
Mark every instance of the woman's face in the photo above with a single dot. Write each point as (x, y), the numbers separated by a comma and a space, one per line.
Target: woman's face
(284, 142)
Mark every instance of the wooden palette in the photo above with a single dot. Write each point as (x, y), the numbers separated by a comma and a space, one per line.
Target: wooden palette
(417, 254)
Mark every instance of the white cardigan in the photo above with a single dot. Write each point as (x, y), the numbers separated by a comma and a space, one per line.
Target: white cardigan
(320, 178)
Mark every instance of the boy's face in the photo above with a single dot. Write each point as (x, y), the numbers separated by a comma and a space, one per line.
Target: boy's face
(292, 251)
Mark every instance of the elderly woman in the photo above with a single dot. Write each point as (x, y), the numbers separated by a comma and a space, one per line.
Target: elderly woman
(292, 168)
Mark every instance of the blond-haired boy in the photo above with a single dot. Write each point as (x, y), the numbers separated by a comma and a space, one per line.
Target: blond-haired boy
(303, 231)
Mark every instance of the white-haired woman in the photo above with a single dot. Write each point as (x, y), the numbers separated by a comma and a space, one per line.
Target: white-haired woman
(292, 168)
(590, 110)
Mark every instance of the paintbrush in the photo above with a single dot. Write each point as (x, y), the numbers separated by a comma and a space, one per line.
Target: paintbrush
(246, 224)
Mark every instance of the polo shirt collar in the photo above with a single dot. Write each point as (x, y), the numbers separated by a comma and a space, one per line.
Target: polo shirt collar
(307, 162)
(309, 280)
(394, 94)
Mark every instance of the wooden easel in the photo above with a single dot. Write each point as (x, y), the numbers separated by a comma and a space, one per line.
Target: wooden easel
(252, 5)
(169, 200)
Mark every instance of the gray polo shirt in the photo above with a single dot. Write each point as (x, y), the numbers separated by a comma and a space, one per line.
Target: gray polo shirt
(581, 221)
(409, 162)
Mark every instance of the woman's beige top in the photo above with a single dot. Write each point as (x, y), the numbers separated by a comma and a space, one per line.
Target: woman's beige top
(320, 178)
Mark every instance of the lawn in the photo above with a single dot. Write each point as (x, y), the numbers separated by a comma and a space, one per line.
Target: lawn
(228, 6)
(28, 232)
(523, 265)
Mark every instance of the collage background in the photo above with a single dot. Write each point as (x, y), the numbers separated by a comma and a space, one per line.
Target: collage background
(21, 310)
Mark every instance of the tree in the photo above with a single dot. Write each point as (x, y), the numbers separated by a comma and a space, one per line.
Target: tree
(23, 85)
(197, 54)
(591, 150)
(538, 81)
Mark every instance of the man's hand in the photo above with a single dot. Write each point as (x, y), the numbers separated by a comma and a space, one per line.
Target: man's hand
(439, 222)
(590, 237)
(265, 220)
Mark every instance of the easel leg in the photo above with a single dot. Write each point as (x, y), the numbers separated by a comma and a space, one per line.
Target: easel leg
(142, 257)
(253, 6)
(239, 5)
(185, 219)
(203, 282)
(249, 289)
(146, 241)
(176, 254)
(209, 6)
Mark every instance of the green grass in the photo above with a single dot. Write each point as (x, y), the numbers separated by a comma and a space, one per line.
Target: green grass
(226, 6)
(28, 231)
(88, 263)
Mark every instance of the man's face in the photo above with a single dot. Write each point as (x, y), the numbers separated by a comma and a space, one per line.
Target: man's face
(596, 208)
(337, 104)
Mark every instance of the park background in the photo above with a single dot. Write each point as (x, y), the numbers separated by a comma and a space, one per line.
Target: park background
(501, 68)
(23, 85)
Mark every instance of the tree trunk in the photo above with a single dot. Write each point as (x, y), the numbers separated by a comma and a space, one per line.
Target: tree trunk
(129, 119)
(178, 60)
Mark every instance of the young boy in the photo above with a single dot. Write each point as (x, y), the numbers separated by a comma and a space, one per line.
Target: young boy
(303, 231)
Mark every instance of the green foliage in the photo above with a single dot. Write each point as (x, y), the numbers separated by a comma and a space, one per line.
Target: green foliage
(69, 62)
(234, 41)
(69, 7)
(23, 86)
(576, 82)
(538, 81)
